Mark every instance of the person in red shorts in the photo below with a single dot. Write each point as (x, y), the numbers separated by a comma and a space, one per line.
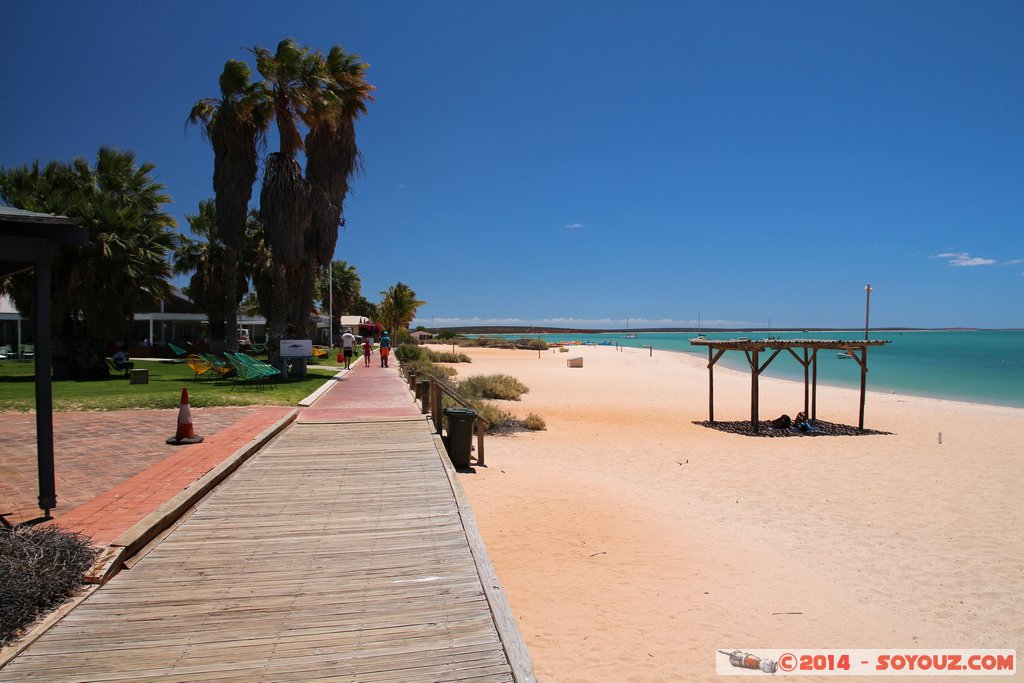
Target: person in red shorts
(385, 349)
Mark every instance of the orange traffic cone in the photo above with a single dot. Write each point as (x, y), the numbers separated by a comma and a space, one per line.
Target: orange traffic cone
(185, 433)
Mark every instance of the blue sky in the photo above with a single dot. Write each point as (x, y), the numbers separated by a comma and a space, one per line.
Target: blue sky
(578, 163)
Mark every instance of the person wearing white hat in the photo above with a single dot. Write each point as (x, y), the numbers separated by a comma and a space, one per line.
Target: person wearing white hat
(348, 342)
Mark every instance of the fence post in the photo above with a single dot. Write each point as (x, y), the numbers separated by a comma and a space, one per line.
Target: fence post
(480, 442)
(435, 404)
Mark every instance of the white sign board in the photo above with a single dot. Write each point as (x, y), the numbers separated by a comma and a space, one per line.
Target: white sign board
(296, 348)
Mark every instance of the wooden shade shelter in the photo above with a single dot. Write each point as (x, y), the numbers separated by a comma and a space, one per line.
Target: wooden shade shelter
(31, 241)
(807, 357)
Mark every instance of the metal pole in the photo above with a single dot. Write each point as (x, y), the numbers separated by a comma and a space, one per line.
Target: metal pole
(44, 392)
(867, 310)
(330, 305)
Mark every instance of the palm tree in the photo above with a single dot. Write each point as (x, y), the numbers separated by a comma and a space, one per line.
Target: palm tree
(331, 151)
(398, 307)
(344, 291)
(301, 214)
(235, 125)
(99, 286)
(206, 260)
(366, 308)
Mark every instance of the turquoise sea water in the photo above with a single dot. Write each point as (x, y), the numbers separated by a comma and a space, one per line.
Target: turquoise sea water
(978, 366)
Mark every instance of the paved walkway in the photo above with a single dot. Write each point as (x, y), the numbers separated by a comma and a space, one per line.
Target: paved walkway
(98, 452)
(343, 550)
(361, 395)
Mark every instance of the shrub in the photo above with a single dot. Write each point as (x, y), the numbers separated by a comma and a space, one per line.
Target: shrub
(497, 419)
(447, 357)
(501, 387)
(40, 567)
(408, 352)
(424, 368)
(494, 343)
(532, 344)
(535, 422)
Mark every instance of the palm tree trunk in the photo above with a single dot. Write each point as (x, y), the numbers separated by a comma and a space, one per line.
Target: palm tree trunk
(230, 299)
(278, 315)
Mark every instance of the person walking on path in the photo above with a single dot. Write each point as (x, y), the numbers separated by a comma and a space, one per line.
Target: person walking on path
(348, 342)
(385, 349)
(367, 350)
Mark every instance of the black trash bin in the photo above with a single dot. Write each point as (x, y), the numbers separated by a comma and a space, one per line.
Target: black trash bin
(460, 435)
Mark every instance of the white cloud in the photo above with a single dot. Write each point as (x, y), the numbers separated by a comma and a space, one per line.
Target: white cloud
(964, 260)
(575, 226)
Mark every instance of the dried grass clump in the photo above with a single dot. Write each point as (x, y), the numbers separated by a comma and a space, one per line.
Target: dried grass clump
(500, 387)
(535, 422)
(447, 357)
(40, 567)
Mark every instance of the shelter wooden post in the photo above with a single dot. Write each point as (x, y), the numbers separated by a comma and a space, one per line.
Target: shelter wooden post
(863, 384)
(754, 398)
(711, 386)
(814, 384)
(805, 363)
(712, 359)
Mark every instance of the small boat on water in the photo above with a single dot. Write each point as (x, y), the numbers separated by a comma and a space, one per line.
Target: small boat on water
(843, 354)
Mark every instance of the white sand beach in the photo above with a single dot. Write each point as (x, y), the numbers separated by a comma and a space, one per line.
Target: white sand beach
(633, 544)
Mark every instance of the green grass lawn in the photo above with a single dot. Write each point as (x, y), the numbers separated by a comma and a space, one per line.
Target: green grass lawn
(166, 378)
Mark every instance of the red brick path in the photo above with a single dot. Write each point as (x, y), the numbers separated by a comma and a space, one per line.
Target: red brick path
(364, 393)
(114, 468)
(98, 453)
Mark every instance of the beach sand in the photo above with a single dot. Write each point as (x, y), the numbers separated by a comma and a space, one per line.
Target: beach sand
(632, 544)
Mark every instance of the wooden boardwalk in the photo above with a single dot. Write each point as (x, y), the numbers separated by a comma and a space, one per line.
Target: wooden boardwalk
(341, 551)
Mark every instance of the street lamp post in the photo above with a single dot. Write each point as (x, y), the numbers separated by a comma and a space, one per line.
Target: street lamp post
(330, 305)
(867, 310)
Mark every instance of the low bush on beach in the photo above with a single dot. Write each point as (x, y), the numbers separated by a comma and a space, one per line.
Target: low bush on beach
(497, 419)
(494, 343)
(40, 567)
(476, 391)
(424, 368)
(499, 387)
(535, 422)
(409, 352)
(447, 357)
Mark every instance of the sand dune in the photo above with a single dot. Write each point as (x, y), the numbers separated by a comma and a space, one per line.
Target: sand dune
(633, 544)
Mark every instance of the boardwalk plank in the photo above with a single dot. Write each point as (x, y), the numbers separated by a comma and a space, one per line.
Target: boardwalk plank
(337, 551)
